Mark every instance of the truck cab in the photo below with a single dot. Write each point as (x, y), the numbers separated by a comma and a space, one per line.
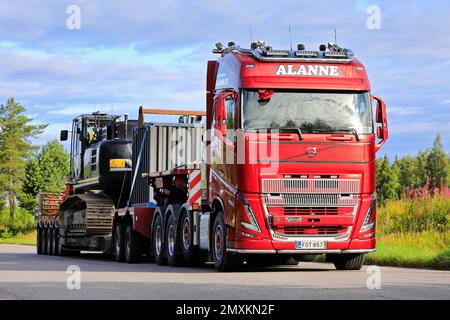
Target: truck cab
(292, 145)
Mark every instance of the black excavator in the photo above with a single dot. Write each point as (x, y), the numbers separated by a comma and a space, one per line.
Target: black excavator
(100, 176)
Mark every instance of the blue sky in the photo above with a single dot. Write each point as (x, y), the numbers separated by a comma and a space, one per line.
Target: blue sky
(132, 53)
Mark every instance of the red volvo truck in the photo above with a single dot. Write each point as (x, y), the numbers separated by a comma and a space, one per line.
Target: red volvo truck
(282, 168)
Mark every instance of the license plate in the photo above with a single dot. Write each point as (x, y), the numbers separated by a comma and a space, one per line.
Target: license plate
(311, 244)
(117, 163)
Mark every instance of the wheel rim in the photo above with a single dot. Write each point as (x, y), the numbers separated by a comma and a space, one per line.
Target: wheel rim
(218, 243)
(158, 242)
(170, 241)
(186, 233)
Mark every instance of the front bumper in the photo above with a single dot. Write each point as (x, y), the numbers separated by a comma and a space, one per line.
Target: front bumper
(267, 246)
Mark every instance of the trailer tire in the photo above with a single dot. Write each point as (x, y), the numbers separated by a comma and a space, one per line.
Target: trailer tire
(192, 255)
(172, 244)
(50, 241)
(44, 240)
(158, 241)
(348, 261)
(39, 240)
(131, 245)
(56, 247)
(223, 261)
(119, 243)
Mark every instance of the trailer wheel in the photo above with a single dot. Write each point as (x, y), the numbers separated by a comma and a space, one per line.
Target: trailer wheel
(223, 260)
(44, 240)
(172, 244)
(55, 237)
(50, 241)
(158, 241)
(119, 243)
(348, 261)
(191, 254)
(131, 245)
(39, 240)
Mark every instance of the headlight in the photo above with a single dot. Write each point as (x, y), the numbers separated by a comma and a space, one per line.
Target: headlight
(251, 222)
(369, 223)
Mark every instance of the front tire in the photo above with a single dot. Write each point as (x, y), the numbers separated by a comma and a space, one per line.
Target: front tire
(349, 261)
(223, 261)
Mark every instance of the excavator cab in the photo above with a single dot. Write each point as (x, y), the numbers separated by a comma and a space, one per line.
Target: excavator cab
(87, 131)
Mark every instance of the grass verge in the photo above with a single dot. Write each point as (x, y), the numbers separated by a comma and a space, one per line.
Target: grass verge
(21, 238)
(427, 249)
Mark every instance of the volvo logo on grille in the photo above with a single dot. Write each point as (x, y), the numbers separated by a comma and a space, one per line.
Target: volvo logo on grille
(311, 152)
(293, 219)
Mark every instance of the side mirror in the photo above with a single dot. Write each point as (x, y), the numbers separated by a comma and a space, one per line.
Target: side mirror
(221, 112)
(381, 118)
(64, 135)
(380, 133)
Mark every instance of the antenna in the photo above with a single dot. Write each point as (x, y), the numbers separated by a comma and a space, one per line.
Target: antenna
(335, 36)
(251, 36)
(290, 35)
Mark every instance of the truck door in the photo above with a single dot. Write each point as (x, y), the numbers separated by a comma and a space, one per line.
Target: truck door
(223, 159)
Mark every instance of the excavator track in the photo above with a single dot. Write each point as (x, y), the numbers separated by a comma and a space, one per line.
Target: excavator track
(86, 215)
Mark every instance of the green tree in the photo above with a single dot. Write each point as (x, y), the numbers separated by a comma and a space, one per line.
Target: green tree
(422, 172)
(437, 163)
(396, 170)
(15, 130)
(46, 171)
(387, 181)
(408, 172)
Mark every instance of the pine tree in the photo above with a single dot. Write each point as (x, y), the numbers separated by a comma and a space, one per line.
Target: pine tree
(408, 172)
(45, 171)
(437, 163)
(387, 181)
(422, 172)
(397, 172)
(15, 130)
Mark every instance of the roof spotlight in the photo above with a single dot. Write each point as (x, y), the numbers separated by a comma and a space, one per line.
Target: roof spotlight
(231, 44)
(301, 47)
(322, 47)
(219, 46)
(254, 45)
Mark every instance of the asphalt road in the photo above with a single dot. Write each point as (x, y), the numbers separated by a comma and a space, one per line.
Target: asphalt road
(26, 275)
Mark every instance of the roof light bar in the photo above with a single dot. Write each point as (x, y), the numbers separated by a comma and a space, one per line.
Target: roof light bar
(333, 54)
(277, 53)
(306, 54)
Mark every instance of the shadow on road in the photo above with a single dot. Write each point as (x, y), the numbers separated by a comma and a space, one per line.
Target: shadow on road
(93, 261)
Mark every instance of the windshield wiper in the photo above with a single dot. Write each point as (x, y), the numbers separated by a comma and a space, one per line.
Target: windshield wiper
(352, 130)
(296, 130)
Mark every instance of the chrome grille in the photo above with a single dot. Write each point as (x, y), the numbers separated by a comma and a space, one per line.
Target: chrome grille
(323, 186)
(309, 200)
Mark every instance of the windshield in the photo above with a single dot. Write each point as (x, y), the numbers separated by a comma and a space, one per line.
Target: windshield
(312, 112)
